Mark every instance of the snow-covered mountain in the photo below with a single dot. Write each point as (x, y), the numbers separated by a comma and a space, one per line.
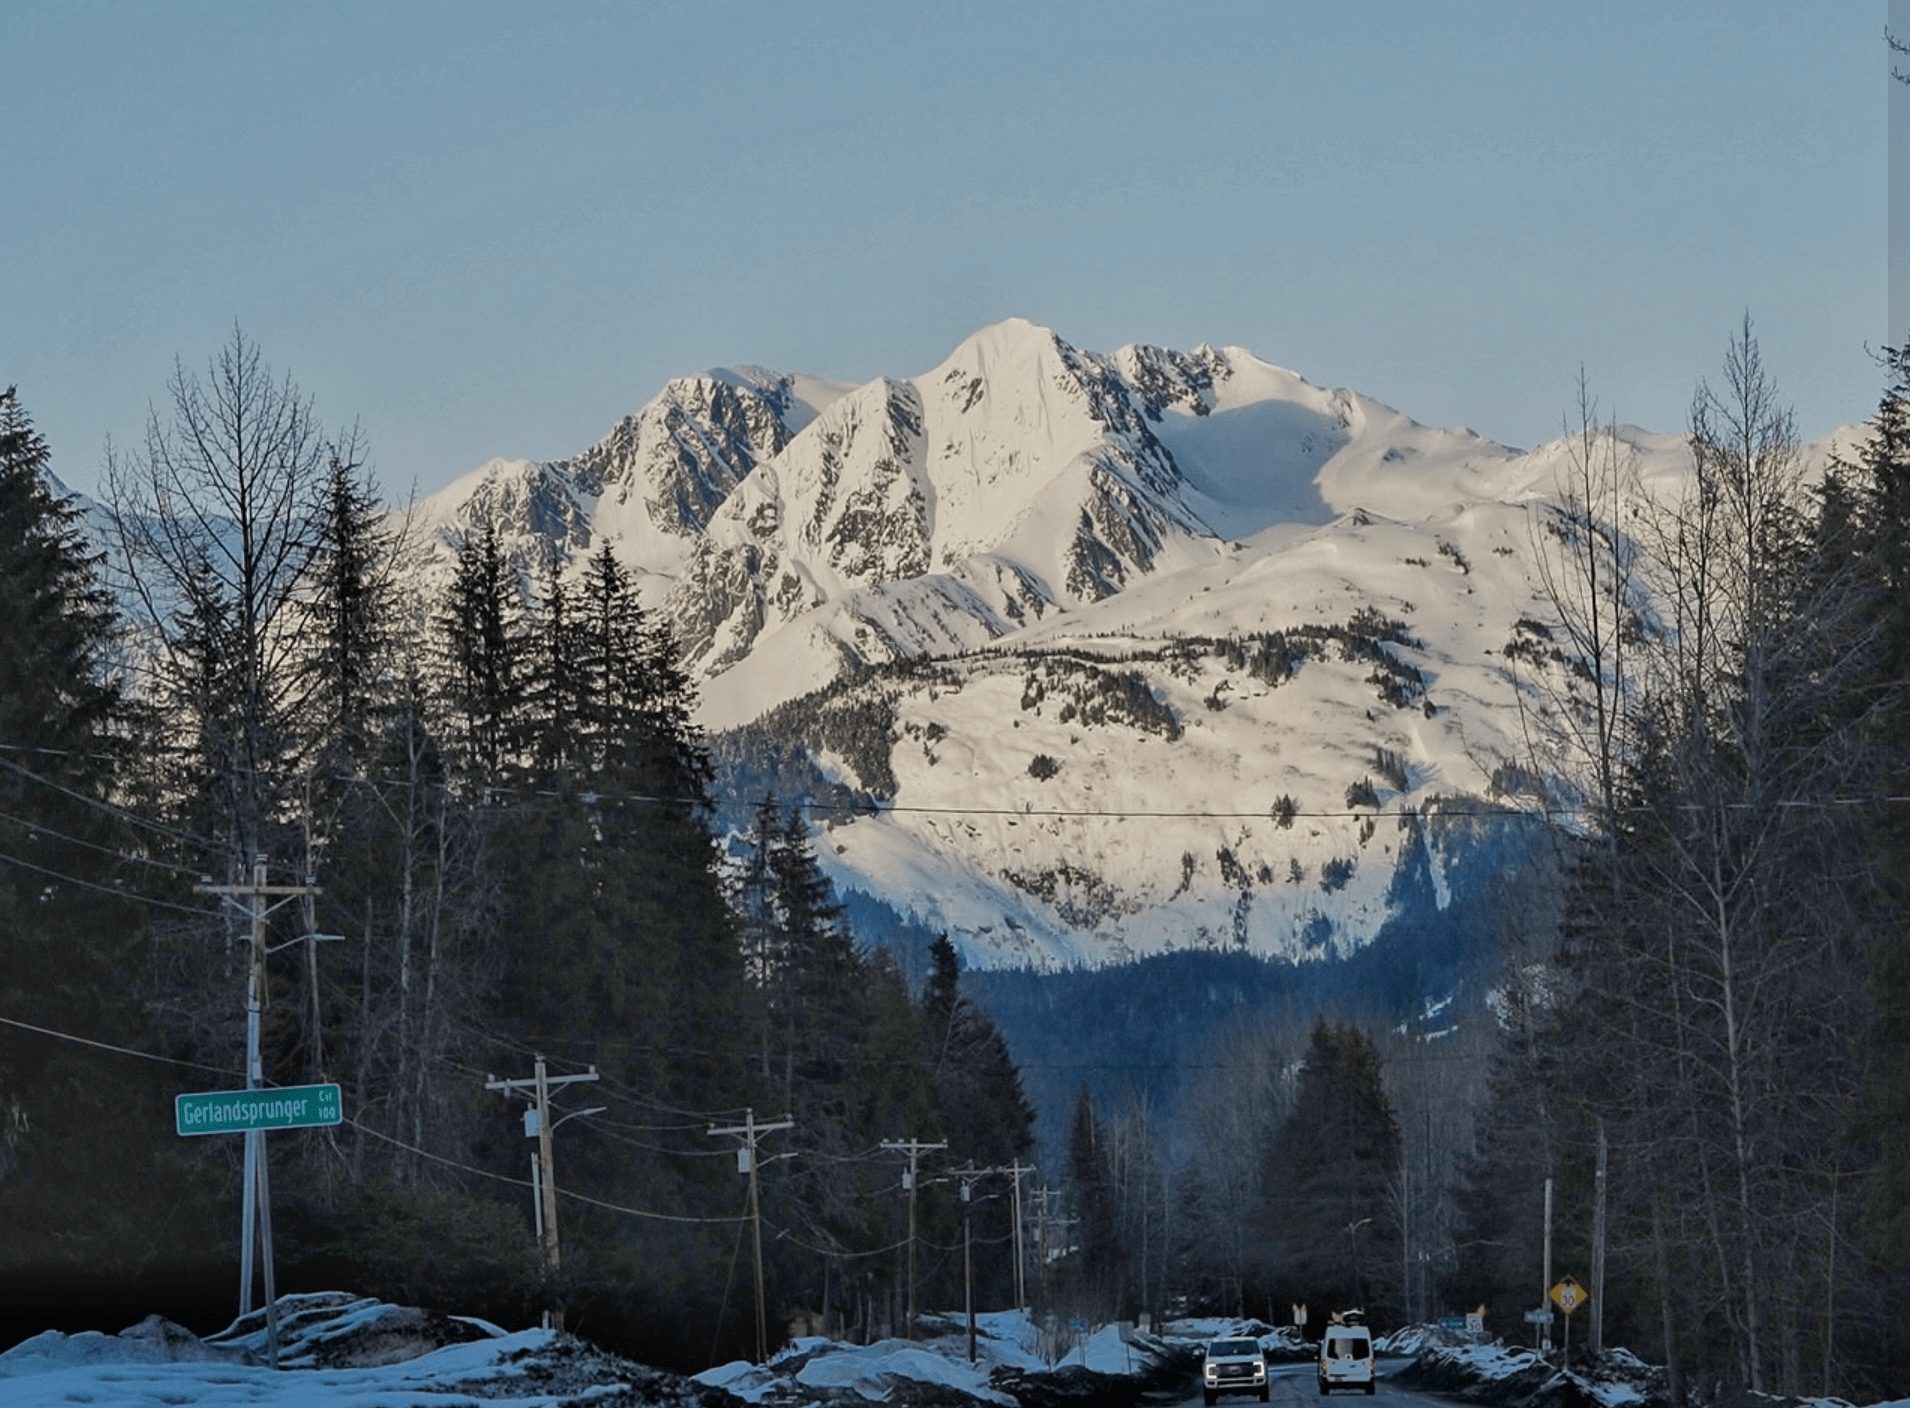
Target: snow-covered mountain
(1106, 634)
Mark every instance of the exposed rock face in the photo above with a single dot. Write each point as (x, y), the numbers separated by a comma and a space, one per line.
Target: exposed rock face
(683, 453)
(1207, 628)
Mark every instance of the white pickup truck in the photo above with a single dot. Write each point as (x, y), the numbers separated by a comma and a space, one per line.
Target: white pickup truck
(1232, 1366)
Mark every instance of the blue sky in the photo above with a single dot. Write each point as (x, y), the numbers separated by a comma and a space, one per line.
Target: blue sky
(491, 229)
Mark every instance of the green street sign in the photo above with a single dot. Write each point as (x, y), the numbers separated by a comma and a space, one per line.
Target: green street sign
(235, 1111)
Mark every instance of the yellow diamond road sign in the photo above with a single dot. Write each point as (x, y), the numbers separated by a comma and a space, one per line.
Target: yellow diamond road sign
(1568, 1295)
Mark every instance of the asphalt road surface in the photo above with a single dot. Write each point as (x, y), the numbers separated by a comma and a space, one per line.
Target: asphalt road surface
(1297, 1386)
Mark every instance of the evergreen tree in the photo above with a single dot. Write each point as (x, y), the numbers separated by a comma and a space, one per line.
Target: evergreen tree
(984, 1112)
(483, 637)
(1330, 1175)
(54, 687)
(351, 603)
(1515, 1149)
(1868, 512)
(615, 677)
(813, 992)
(1095, 1269)
(192, 721)
(70, 1125)
(613, 941)
(554, 687)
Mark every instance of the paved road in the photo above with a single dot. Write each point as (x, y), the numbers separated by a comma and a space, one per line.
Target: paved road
(1297, 1386)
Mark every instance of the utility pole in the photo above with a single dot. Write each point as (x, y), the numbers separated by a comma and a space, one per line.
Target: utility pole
(255, 1217)
(1545, 1291)
(746, 1162)
(914, 1148)
(1046, 1224)
(312, 940)
(1043, 1195)
(968, 1174)
(1598, 1246)
(539, 1086)
(1015, 1171)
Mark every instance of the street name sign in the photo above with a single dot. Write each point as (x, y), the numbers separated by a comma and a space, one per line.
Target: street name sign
(1542, 1316)
(278, 1107)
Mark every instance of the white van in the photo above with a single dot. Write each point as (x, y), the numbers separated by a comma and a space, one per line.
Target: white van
(1346, 1359)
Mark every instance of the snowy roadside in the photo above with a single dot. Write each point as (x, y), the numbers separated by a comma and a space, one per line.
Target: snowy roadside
(344, 1351)
(1016, 1363)
(1499, 1375)
(336, 1351)
(1283, 1344)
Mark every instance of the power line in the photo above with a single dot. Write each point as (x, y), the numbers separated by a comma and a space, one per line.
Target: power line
(585, 1198)
(117, 854)
(783, 1234)
(375, 1134)
(598, 1127)
(631, 1093)
(121, 1050)
(1027, 1065)
(122, 813)
(116, 891)
(60, 752)
(870, 806)
(599, 1123)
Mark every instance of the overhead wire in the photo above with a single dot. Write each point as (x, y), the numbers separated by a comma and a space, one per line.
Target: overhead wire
(131, 817)
(874, 806)
(631, 1093)
(783, 1234)
(363, 1128)
(117, 891)
(644, 1213)
(112, 851)
(120, 1050)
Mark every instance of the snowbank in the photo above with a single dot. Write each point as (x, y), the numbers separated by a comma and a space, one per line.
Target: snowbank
(872, 1371)
(1017, 1361)
(1286, 1342)
(336, 1351)
(343, 1351)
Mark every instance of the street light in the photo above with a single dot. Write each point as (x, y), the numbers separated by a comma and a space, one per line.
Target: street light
(1353, 1252)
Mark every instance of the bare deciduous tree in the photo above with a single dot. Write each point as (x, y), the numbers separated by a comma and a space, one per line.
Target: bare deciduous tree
(215, 518)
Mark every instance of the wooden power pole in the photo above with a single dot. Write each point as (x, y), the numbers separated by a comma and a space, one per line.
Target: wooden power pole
(1545, 1291)
(1015, 1171)
(255, 1218)
(538, 1086)
(1598, 1244)
(914, 1148)
(969, 1174)
(746, 1161)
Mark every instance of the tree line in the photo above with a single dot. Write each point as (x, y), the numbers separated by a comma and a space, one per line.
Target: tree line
(1699, 1034)
(503, 807)
(1713, 1077)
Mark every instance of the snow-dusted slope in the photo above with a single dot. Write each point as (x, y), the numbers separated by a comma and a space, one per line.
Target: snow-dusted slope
(650, 486)
(1113, 783)
(1054, 606)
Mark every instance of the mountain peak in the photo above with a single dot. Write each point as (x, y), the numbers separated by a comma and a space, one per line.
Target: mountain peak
(1008, 343)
